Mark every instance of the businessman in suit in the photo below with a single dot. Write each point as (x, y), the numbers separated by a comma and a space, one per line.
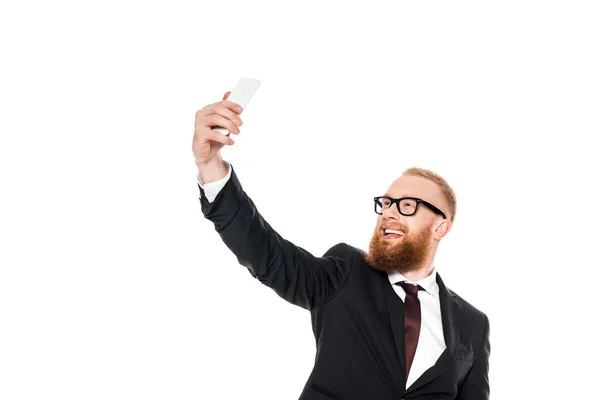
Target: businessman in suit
(385, 324)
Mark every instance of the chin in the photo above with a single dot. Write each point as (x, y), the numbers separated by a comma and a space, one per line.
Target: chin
(403, 254)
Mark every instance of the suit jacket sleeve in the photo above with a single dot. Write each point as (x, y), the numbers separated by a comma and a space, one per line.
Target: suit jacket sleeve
(212, 189)
(292, 272)
(476, 385)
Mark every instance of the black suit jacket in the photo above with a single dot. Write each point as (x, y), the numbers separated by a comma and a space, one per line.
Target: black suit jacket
(357, 318)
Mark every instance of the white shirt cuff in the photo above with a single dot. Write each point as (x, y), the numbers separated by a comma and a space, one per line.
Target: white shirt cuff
(212, 189)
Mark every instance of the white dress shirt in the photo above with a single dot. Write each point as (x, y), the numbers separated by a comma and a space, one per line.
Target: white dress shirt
(431, 342)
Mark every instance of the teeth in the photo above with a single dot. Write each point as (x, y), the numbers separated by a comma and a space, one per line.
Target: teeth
(393, 231)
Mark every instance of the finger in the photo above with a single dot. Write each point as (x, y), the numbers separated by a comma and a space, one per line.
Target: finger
(230, 115)
(226, 95)
(235, 107)
(227, 113)
(219, 137)
(222, 107)
(218, 120)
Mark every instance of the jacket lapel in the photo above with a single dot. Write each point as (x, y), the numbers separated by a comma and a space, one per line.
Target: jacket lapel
(451, 315)
(451, 323)
(395, 308)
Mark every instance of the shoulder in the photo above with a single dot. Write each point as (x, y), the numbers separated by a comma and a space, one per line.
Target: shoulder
(345, 251)
(466, 306)
(472, 316)
(354, 260)
(341, 249)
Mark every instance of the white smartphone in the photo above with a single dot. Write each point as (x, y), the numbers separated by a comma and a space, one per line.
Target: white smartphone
(241, 94)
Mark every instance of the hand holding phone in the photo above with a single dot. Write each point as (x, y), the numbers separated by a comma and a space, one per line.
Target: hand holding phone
(241, 94)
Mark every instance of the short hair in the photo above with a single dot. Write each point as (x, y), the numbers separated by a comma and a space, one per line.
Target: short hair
(447, 191)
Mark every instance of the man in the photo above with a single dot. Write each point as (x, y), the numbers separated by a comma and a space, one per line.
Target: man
(385, 324)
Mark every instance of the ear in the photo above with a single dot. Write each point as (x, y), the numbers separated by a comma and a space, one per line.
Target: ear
(442, 228)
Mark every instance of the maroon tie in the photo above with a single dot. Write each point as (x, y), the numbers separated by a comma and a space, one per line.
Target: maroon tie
(412, 321)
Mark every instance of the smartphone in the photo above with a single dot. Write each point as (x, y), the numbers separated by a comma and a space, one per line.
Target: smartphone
(241, 94)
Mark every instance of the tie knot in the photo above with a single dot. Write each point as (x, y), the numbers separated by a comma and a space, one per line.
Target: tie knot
(409, 288)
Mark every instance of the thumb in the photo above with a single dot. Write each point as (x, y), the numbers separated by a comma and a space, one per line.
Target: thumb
(226, 95)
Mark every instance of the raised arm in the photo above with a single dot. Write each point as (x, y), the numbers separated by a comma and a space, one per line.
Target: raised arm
(292, 272)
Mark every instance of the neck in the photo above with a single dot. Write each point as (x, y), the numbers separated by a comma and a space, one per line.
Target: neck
(420, 273)
(425, 269)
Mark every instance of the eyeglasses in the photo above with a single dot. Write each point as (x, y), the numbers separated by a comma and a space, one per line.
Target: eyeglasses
(406, 206)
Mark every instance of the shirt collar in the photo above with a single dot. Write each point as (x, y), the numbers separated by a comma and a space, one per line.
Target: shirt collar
(428, 283)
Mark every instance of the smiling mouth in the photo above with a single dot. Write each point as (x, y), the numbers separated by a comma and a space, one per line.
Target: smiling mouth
(392, 234)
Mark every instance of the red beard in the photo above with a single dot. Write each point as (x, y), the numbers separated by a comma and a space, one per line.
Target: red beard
(407, 255)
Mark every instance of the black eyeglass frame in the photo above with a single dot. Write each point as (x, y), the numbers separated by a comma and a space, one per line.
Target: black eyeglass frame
(419, 201)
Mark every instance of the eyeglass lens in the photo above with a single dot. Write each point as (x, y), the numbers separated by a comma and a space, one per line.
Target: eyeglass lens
(407, 206)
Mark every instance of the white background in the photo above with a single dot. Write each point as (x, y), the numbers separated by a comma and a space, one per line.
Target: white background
(114, 286)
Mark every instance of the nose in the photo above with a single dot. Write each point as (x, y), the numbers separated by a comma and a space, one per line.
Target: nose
(391, 212)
